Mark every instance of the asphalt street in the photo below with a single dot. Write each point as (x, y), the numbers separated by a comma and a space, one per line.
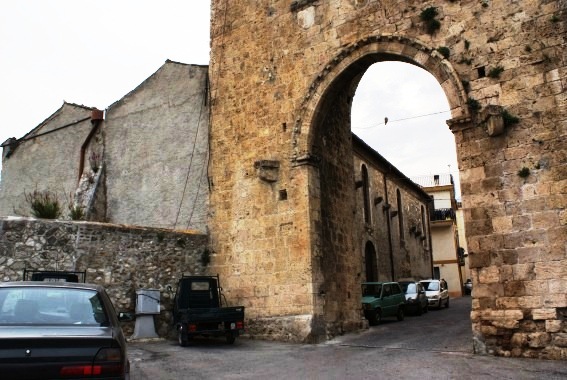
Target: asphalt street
(437, 345)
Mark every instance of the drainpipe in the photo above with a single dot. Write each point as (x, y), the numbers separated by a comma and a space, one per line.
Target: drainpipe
(389, 227)
(97, 116)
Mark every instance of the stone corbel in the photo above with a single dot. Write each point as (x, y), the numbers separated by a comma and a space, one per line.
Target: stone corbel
(267, 170)
(492, 116)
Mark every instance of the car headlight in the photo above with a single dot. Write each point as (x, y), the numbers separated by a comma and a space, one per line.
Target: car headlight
(435, 297)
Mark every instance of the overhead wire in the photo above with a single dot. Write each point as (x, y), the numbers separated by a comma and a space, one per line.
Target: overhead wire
(403, 119)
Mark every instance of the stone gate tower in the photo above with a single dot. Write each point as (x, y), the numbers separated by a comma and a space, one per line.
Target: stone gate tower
(283, 74)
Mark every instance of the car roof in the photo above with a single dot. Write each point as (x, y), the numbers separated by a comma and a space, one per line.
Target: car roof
(379, 283)
(51, 284)
(430, 280)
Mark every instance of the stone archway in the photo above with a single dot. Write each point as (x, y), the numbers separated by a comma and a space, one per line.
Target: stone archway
(281, 74)
(322, 151)
(351, 62)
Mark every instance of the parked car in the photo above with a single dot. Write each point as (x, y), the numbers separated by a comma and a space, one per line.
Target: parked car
(58, 330)
(382, 299)
(468, 287)
(416, 300)
(436, 292)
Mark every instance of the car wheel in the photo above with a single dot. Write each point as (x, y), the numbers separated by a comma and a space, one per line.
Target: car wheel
(400, 314)
(374, 317)
(230, 338)
(447, 303)
(182, 337)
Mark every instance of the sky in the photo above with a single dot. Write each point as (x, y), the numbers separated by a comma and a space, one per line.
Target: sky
(94, 52)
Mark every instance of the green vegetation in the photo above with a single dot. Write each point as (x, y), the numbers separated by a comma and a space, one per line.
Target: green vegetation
(44, 204)
(428, 17)
(444, 51)
(495, 72)
(473, 104)
(524, 172)
(509, 119)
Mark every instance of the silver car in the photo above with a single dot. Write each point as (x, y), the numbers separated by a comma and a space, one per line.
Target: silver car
(436, 292)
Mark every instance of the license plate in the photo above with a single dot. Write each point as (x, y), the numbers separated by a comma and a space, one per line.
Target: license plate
(233, 326)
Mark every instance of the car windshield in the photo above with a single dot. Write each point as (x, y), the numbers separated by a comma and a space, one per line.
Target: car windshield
(39, 305)
(409, 287)
(372, 290)
(431, 286)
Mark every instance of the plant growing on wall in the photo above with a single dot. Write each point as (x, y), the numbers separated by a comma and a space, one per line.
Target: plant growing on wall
(524, 172)
(95, 161)
(495, 72)
(509, 119)
(428, 17)
(444, 51)
(44, 204)
(473, 104)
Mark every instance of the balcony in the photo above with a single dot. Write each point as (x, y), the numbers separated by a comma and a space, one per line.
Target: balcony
(440, 215)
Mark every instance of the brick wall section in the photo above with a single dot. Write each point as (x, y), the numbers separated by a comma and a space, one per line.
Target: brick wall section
(277, 70)
(122, 259)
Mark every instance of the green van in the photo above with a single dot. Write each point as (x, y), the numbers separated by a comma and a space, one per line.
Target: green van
(382, 299)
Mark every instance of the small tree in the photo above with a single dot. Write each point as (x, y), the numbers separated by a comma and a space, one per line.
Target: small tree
(44, 204)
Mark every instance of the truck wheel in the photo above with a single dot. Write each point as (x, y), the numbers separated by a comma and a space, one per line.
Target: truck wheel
(182, 338)
(230, 338)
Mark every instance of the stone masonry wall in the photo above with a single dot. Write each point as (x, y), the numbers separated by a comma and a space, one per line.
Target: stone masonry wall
(122, 259)
(278, 67)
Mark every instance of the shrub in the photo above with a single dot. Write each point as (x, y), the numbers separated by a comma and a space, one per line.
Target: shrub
(473, 104)
(428, 17)
(444, 51)
(524, 172)
(509, 119)
(44, 204)
(495, 72)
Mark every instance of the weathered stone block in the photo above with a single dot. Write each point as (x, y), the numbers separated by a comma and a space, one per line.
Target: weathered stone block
(538, 314)
(539, 340)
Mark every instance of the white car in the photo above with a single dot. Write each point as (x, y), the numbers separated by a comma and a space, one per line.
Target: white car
(436, 292)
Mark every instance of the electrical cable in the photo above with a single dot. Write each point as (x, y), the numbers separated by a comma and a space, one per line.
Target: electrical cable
(404, 119)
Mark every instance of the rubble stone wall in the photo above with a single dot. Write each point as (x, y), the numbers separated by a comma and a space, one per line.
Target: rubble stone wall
(123, 259)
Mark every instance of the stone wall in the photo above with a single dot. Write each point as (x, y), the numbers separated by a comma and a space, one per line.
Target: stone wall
(48, 158)
(123, 259)
(156, 151)
(281, 75)
(397, 257)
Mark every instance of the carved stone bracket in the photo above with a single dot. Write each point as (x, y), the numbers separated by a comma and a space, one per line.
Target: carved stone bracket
(492, 116)
(267, 170)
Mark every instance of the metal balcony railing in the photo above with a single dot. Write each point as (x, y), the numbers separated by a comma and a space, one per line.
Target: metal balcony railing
(442, 214)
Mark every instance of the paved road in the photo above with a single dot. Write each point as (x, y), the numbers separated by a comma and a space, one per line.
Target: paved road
(434, 345)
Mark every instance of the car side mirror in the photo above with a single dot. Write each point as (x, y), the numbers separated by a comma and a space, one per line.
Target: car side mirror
(125, 317)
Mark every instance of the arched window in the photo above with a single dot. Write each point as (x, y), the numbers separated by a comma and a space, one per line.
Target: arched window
(400, 214)
(423, 223)
(370, 262)
(366, 194)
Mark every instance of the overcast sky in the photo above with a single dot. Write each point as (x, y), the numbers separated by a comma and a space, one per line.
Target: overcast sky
(95, 52)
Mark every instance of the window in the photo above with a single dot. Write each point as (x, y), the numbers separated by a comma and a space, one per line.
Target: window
(400, 215)
(366, 194)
